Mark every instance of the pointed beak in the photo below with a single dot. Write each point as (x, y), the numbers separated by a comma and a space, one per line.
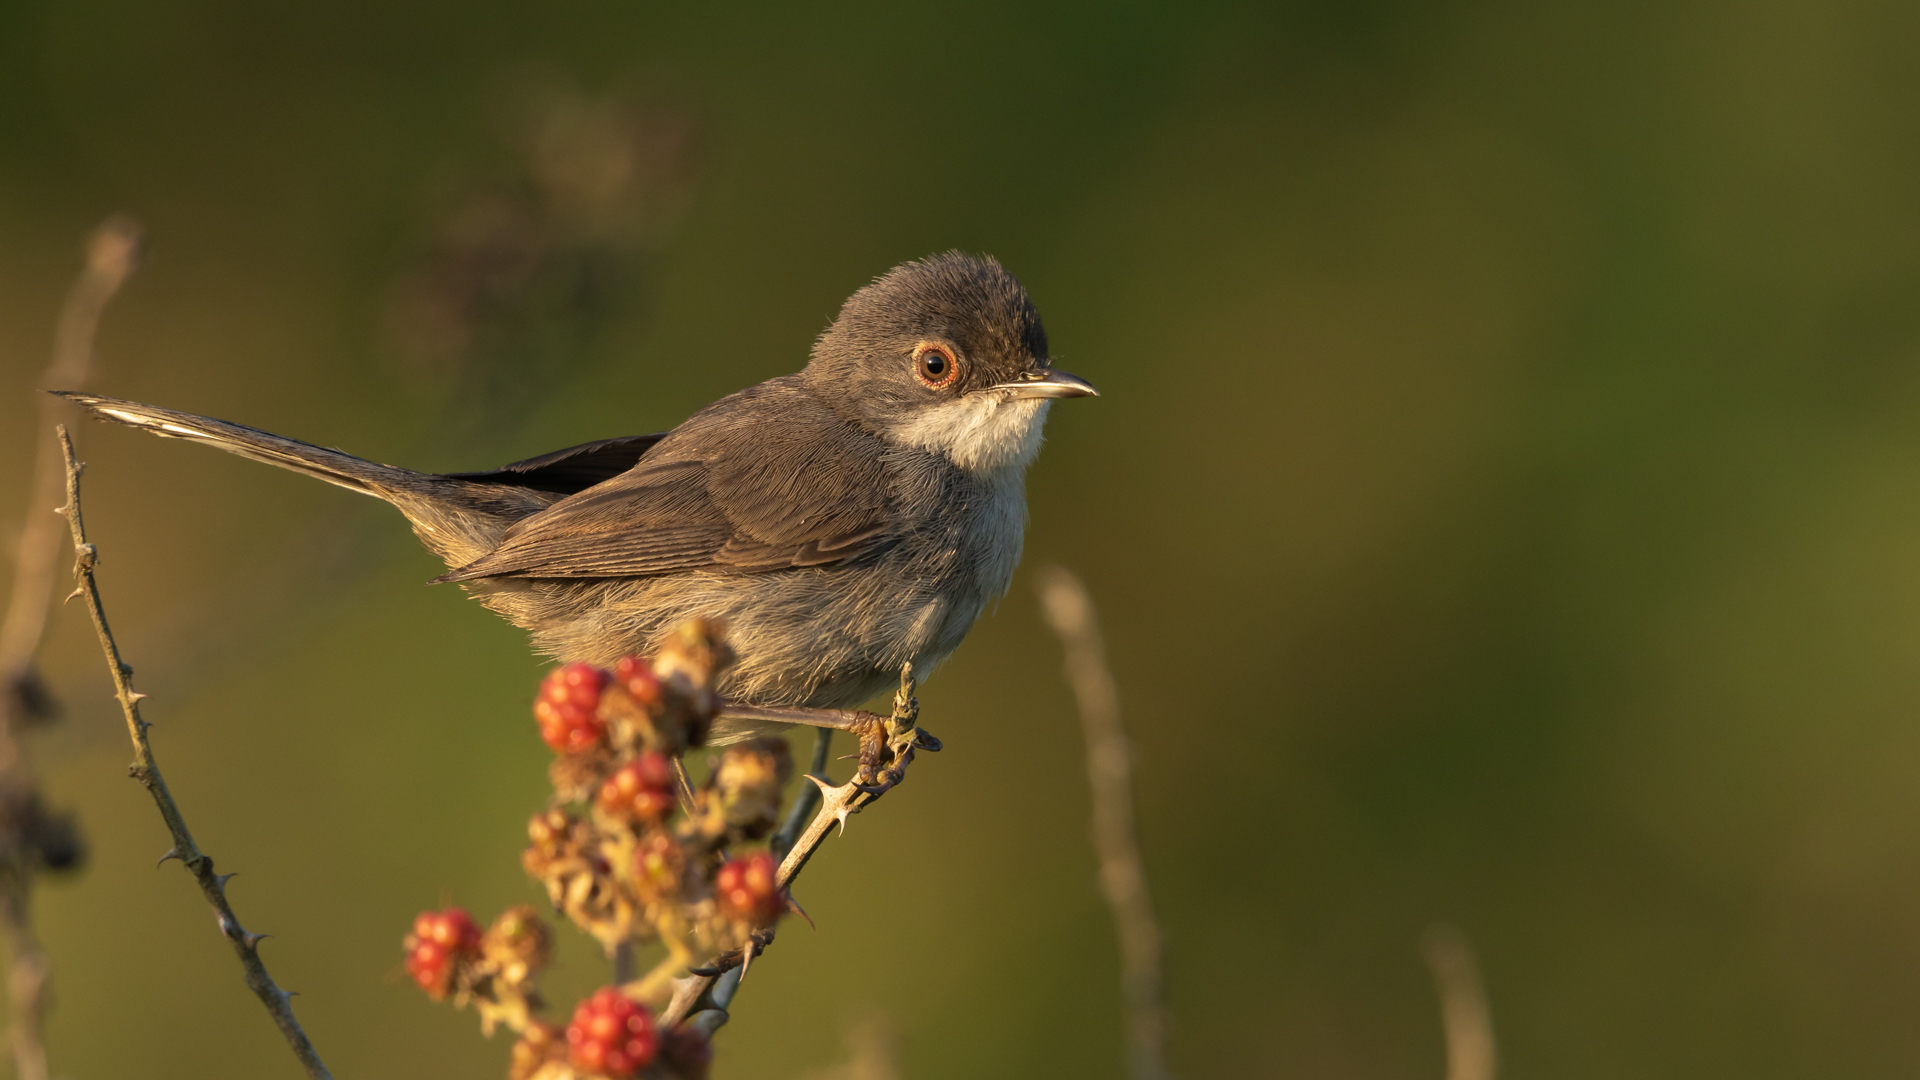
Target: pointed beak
(1047, 383)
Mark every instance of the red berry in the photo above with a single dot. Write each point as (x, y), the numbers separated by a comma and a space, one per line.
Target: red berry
(567, 708)
(637, 677)
(746, 889)
(642, 789)
(611, 1035)
(440, 939)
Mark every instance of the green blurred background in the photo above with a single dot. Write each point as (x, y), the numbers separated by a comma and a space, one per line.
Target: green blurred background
(1502, 504)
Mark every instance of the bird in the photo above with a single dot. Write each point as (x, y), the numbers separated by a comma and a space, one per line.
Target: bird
(843, 522)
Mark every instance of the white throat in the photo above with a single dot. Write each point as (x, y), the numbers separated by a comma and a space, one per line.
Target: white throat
(981, 432)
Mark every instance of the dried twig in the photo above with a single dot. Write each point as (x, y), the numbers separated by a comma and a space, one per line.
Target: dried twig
(112, 251)
(1463, 1004)
(1123, 877)
(146, 770)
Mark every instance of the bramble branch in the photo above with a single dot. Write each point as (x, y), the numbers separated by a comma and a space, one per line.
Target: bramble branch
(146, 769)
(887, 747)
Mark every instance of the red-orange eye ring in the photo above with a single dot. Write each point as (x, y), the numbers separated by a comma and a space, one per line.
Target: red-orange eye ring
(935, 365)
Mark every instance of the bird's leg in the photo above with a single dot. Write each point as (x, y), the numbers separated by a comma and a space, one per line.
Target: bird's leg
(837, 719)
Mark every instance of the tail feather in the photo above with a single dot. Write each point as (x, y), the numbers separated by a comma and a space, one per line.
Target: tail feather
(456, 518)
(334, 467)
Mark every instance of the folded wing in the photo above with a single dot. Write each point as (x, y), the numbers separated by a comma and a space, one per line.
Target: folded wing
(765, 480)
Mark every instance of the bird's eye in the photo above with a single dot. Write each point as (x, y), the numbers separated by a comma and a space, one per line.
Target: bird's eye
(935, 365)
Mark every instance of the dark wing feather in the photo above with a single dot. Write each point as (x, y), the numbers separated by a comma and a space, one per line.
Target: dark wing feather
(574, 469)
(764, 480)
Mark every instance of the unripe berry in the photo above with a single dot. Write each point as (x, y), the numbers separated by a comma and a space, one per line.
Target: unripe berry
(611, 1035)
(748, 781)
(636, 675)
(658, 864)
(745, 889)
(640, 790)
(567, 708)
(440, 940)
(541, 1045)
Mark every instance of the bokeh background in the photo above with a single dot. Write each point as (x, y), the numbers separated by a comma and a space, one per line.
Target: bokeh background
(1504, 503)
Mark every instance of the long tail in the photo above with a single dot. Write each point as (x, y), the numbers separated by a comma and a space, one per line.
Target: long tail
(334, 467)
(457, 519)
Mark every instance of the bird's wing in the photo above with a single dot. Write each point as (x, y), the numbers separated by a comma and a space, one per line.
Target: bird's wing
(743, 489)
(576, 468)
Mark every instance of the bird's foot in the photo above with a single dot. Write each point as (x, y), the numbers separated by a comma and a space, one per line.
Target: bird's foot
(887, 744)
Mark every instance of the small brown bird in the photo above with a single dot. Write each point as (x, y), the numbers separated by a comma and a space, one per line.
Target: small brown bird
(842, 521)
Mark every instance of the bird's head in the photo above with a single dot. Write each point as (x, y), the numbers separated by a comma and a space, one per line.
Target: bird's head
(946, 354)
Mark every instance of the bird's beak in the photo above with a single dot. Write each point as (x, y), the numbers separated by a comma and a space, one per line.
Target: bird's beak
(1047, 383)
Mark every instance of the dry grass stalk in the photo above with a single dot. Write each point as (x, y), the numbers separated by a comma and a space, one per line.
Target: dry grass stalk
(34, 838)
(1464, 1014)
(1123, 877)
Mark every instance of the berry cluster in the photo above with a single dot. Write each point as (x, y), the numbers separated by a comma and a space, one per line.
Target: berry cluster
(439, 942)
(611, 1035)
(639, 791)
(631, 855)
(568, 708)
(746, 889)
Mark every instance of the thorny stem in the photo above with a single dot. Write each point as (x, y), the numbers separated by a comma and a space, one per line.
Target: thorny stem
(145, 769)
(806, 800)
(112, 253)
(709, 996)
(1123, 876)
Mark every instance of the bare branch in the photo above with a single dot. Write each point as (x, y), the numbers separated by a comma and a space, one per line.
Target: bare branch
(1464, 1013)
(1123, 877)
(145, 769)
(112, 251)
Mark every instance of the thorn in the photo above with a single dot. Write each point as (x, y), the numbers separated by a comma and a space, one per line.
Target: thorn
(746, 961)
(841, 816)
(75, 594)
(135, 699)
(823, 785)
(222, 879)
(252, 941)
(172, 853)
(794, 906)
